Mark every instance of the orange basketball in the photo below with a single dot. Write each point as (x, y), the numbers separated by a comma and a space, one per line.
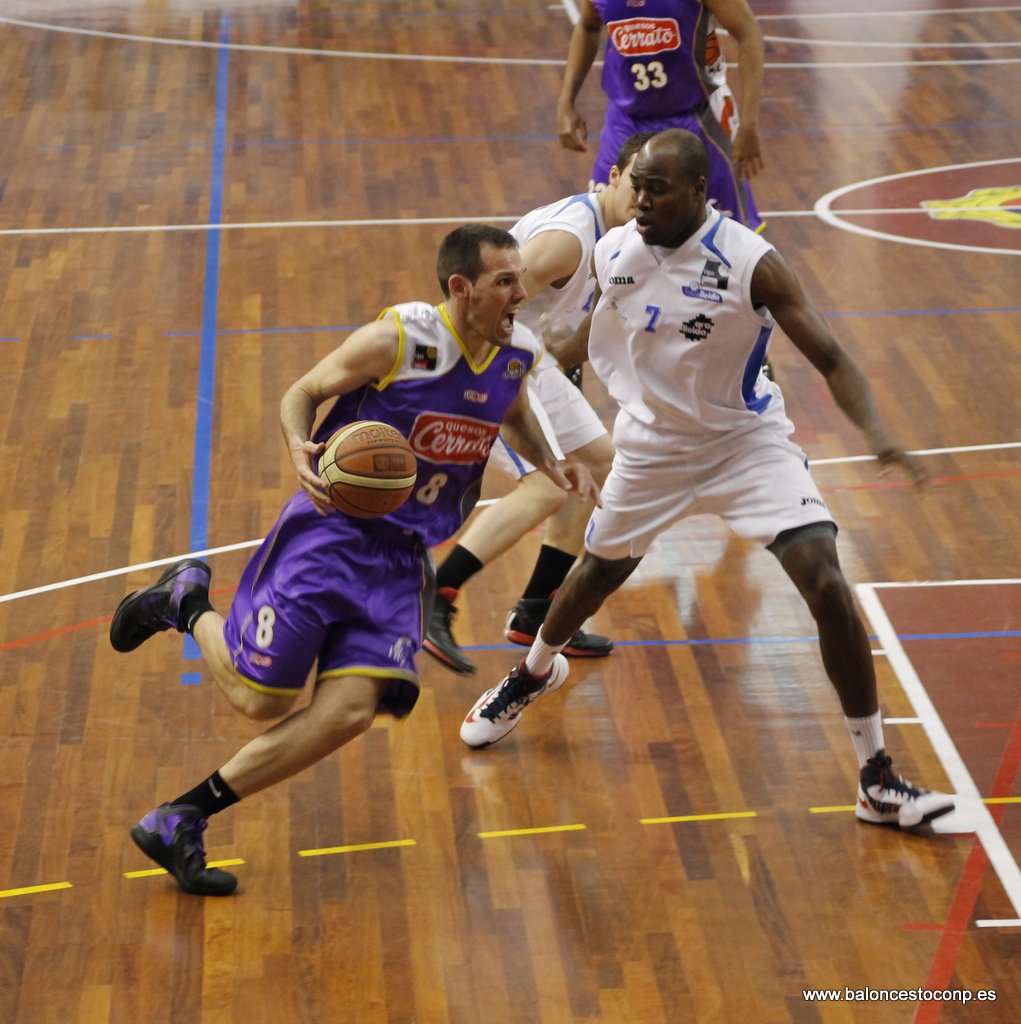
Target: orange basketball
(368, 468)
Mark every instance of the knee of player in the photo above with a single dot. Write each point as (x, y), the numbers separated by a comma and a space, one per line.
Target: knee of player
(602, 576)
(345, 723)
(554, 501)
(261, 707)
(543, 497)
(830, 594)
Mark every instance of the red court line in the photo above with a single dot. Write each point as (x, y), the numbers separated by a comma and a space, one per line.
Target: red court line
(975, 869)
(51, 634)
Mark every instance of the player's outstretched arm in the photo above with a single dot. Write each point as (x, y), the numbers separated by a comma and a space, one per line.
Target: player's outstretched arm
(369, 354)
(737, 18)
(581, 53)
(775, 286)
(524, 434)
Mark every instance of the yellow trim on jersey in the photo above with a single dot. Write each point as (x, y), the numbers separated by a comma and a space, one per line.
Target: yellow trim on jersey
(477, 368)
(372, 673)
(274, 691)
(401, 345)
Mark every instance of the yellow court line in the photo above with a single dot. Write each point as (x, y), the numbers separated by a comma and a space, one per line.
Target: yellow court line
(4, 893)
(150, 872)
(354, 849)
(698, 817)
(835, 808)
(531, 831)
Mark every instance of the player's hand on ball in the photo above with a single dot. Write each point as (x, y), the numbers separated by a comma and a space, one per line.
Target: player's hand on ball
(306, 458)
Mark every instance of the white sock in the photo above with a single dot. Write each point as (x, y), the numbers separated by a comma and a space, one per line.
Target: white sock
(866, 735)
(539, 659)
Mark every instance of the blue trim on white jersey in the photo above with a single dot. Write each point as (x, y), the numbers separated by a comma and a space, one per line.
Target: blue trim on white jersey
(751, 373)
(513, 456)
(709, 241)
(586, 200)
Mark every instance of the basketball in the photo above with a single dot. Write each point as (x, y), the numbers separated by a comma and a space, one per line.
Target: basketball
(368, 468)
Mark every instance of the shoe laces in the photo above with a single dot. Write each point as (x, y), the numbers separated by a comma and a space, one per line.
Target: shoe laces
(889, 781)
(444, 610)
(192, 846)
(518, 690)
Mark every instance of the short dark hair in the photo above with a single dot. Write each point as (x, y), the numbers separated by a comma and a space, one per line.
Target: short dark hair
(461, 251)
(630, 147)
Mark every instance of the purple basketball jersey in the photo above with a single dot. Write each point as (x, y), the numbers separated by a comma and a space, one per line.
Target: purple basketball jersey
(662, 56)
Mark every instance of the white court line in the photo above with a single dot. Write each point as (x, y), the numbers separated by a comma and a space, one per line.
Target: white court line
(884, 13)
(302, 51)
(971, 813)
(921, 451)
(110, 573)
(426, 58)
(913, 44)
(119, 229)
(949, 583)
(125, 570)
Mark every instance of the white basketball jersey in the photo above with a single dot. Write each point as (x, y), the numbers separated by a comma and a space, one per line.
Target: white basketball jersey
(678, 343)
(579, 216)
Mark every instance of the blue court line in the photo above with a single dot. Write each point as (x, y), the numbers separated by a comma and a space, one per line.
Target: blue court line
(90, 337)
(350, 327)
(925, 312)
(264, 330)
(240, 144)
(207, 355)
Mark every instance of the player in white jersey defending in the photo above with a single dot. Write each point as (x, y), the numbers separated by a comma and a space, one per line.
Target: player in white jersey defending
(686, 301)
(556, 242)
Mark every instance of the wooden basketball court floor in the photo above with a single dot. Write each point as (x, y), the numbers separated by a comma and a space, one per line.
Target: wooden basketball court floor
(197, 200)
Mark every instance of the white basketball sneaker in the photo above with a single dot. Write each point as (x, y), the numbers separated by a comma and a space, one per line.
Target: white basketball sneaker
(884, 798)
(498, 710)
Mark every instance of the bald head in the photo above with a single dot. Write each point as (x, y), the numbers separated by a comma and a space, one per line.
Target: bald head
(683, 148)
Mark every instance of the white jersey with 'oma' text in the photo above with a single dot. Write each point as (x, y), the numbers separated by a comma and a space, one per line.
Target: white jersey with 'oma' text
(675, 337)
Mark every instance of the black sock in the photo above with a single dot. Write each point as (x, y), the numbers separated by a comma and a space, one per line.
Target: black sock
(209, 796)
(457, 568)
(551, 569)
(192, 607)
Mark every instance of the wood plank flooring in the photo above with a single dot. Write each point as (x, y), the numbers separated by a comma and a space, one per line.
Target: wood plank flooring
(186, 226)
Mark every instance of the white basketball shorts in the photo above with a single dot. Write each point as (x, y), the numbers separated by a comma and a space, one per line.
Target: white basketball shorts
(758, 483)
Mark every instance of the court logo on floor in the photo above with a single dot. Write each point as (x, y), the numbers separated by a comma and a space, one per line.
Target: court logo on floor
(1001, 205)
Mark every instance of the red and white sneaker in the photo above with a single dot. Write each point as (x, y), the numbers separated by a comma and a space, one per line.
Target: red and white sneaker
(884, 798)
(498, 710)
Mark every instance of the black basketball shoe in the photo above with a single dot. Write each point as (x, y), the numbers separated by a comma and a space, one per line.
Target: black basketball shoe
(158, 608)
(171, 835)
(525, 618)
(439, 639)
